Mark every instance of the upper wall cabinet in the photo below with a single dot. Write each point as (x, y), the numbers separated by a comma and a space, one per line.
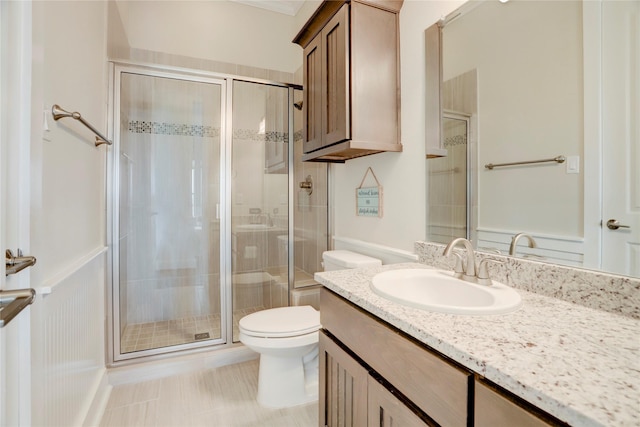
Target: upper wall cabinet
(351, 72)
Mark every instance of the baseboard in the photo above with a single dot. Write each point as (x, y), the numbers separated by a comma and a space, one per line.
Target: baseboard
(99, 402)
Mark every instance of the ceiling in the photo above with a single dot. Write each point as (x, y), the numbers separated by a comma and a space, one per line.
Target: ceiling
(287, 7)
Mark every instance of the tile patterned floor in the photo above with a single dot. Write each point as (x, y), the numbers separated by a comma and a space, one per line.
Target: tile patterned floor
(221, 397)
(145, 336)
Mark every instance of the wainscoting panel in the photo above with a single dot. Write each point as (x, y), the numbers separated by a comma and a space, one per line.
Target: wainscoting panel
(386, 254)
(68, 343)
(565, 250)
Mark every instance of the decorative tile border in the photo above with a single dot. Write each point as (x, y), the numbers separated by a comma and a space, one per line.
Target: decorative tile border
(163, 128)
(254, 135)
(601, 291)
(451, 141)
(179, 129)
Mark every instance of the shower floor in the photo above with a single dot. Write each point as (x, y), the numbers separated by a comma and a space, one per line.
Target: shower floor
(146, 336)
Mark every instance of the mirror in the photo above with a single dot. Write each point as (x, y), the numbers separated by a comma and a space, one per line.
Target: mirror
(519, 99)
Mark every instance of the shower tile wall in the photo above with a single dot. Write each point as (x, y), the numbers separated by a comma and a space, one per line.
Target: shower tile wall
(171, 60)
(310, 211)
(448, 186)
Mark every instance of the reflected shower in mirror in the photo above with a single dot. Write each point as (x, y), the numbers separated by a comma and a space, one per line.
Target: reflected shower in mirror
(523, 77)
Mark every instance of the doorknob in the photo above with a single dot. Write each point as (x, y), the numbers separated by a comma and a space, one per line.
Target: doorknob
(16, 263)
(613, 224)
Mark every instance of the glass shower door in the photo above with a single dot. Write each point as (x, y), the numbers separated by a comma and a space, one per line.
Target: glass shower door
(259, 198)
(448, 183)
(168, 218)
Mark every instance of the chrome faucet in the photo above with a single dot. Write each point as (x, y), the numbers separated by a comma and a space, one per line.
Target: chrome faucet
(268, 220)
(470, 263)
(514, 242)
(467, 269)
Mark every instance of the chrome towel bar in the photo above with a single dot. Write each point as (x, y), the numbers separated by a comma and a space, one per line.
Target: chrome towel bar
(559, 159)
(59, 113)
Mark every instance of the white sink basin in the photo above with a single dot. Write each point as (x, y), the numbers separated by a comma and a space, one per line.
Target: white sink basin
(439, 291)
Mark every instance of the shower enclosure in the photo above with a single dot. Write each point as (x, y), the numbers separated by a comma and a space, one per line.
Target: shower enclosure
(201, 220)
(449, 180)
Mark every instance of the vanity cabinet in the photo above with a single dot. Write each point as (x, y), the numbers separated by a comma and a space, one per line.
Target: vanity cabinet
(374, 375)
(494, 408)
(351, 73)
(419, 385)
(350, 396)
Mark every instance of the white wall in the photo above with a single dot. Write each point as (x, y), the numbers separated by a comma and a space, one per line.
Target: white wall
(530, 107)
(402, 175)
(214, 30)
(68, 209)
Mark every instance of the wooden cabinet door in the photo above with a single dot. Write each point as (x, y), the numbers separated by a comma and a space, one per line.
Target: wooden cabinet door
(343, 387)
(312, 98)
(386, 410)
(493, 409)
(336, 93)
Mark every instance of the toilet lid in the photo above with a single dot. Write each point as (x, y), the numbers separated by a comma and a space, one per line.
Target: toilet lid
(281, 322)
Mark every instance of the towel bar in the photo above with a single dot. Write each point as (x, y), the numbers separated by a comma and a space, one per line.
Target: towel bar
(59, 113)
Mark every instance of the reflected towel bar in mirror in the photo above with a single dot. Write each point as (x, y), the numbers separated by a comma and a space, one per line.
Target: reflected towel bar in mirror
(59, 113)
(559, 159)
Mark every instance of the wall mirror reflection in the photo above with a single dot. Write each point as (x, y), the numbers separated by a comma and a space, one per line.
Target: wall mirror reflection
(536, 80)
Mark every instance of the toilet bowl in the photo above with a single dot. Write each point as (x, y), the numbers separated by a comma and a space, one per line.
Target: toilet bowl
(287, 340)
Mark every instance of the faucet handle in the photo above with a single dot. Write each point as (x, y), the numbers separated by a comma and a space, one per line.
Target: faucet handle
(483, 271)
(458, 270)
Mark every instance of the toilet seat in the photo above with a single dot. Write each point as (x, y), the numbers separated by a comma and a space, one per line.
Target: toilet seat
(281, 322)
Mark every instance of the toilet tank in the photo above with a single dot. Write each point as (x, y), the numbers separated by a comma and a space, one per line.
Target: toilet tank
(341, 260)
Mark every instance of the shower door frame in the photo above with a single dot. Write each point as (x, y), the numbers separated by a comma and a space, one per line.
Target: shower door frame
(114, 355)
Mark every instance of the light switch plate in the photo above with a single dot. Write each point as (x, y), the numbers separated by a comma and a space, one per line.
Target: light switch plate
(573, 164)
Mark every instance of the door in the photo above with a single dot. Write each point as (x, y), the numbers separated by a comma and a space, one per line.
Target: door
(621, 137)
(336, 90)
(312, 102)
(343, 386)
(385, 409)
(15, 92)
(259, 199)
(168, 226)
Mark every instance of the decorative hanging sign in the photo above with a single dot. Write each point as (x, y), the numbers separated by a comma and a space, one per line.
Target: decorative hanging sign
(369, 199)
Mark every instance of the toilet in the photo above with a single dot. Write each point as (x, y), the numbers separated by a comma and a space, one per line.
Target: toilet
(287, 340)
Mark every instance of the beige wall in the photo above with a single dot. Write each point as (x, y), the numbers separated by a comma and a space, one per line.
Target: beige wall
(402, 175)
(213, 30)
(530, 107)
(68, 194)
(68, 209)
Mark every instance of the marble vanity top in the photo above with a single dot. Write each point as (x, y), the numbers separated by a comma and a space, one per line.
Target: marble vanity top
(579, 364)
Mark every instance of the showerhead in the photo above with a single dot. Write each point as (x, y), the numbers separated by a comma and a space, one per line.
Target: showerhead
(298, 105)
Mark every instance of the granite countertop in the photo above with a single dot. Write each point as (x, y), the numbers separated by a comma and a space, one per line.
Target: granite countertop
(579, 364)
